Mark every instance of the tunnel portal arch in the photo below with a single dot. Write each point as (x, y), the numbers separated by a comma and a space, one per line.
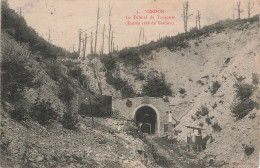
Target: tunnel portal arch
(147, 113)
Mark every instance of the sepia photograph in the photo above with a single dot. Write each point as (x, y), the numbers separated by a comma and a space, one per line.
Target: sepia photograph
(130, 84)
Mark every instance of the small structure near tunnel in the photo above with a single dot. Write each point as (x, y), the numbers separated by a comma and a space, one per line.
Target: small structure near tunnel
(194, 138)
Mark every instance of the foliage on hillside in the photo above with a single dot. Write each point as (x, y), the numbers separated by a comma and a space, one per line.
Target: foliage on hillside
(16, 26)
(157, 87)
(132, 54)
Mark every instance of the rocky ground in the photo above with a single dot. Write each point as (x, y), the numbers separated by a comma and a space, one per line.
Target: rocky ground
(109, 143)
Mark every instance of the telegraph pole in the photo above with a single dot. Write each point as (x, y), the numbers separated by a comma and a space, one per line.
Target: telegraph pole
(91, 44)
(85, 45)
(79, 42)
(112, 41)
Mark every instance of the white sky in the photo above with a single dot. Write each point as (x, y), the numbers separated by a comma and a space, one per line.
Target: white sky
(65, 17)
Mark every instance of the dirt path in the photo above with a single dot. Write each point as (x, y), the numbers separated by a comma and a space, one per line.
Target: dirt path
(170, 155)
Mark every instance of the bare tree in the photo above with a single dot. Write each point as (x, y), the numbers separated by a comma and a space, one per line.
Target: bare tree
(186, 15)
(102, 48)
(239, 11)
(249, 8)
(95, 51)
(85, 45)
(110, 27)
(199, 18)
(233, 12)
(140, 37)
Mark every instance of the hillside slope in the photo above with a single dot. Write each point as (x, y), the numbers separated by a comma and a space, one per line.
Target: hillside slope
(209, 70)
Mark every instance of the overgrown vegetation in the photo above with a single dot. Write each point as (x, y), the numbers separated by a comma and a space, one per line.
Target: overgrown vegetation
(202, 111)
(109, 61)
(180, 41)
(16, 26)
(249, 150)
(16, 73)
(43, 112)
(69, 121)
(216, 85)
(119, 84)
(216, 127)
(130, 56)
(255, 79)
(208, 120)
(182, 91)
(245, 104)
(139, 76)
(157, 87)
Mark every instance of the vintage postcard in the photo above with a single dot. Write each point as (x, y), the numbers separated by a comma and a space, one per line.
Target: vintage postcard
(130, 83)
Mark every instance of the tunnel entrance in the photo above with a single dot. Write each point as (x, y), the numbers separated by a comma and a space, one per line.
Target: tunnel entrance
(146, 118)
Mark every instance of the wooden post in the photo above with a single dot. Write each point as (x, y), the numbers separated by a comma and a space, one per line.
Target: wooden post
(111, 45)
(85, 45)
(91, 44)
(79, 42)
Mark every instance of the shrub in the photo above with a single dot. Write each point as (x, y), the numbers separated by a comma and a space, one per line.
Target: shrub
(193, 118)
(127, 91)
(69, 121)
(19, 113)
(216, 127)
(42, 112)
(249, 150)
(203, 111)
(66, 93)
(216, 85)
(130, 56)
(240, 78)
(241, 109)
(53, 69)
(75, 72)
(109, 61)
(157, 87)
(16, 74)
(215, 105)
(244, 91)
(182, 91)
(255, 79)
(208, 121)
(200, 82)
(116, 82)
(252, 116)
(139, 76)
(201, 124)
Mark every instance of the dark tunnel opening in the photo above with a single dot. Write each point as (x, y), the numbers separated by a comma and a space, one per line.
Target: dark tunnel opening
(146, 119)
